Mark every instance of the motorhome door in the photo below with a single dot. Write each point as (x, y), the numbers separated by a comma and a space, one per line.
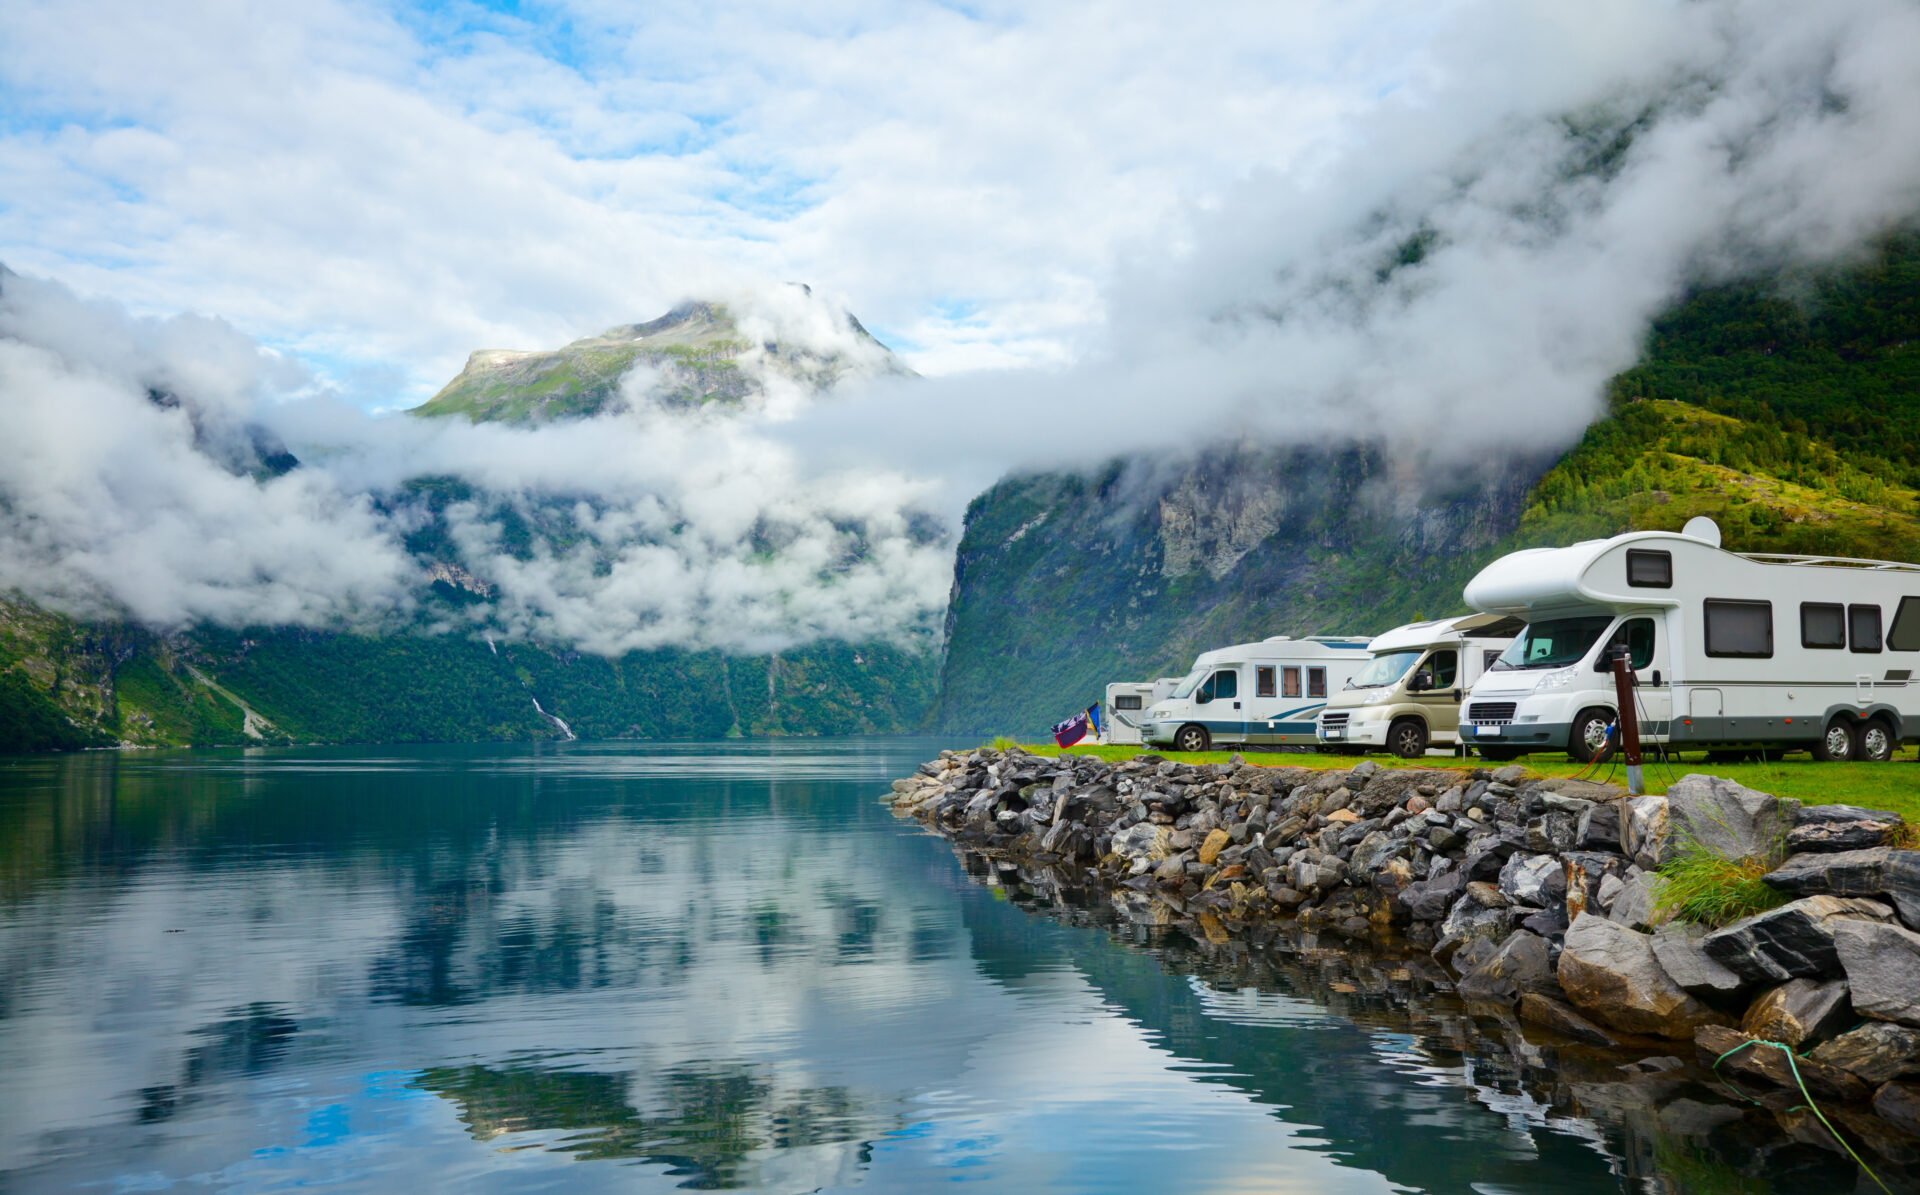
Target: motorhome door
(1648, 655)
(1439, 703)
(1221, 704)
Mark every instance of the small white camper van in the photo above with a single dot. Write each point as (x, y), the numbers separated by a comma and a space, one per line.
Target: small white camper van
(1263, 693)
(1407, 698)
(1127, 703)
(1732, 651)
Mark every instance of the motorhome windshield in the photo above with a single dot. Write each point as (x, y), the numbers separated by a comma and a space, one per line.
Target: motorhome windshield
(1554, 643)
(1385, 668)
(1189, 682)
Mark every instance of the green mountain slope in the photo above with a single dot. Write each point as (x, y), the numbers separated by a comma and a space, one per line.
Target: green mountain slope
(1786, 409)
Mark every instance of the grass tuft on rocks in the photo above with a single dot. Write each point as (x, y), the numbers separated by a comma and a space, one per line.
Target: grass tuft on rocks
(1706, 887)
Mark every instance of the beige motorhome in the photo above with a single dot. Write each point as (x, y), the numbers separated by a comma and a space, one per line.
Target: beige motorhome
(1407, 698)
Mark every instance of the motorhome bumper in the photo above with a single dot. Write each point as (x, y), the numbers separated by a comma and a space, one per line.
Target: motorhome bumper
(1517, 734)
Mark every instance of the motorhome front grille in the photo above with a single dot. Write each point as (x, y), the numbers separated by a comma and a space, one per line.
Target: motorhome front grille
(1491, 711)
(1332, 720)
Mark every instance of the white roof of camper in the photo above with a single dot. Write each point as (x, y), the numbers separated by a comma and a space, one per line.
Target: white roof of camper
(1312, 647)
(1548, 577)
(1424, 634)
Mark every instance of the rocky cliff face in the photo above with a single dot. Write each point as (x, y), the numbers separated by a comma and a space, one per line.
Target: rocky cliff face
(1064, 583)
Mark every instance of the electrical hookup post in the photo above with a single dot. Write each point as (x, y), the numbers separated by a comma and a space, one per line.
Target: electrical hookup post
(1628, 703)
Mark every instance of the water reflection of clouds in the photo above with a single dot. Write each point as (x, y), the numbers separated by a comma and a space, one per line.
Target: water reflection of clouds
(1253, 1007)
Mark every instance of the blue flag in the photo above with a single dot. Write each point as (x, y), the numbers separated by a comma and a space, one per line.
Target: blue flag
(1075, 728)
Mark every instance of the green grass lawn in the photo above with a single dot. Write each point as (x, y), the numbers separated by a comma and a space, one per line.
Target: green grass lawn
(1894, 785)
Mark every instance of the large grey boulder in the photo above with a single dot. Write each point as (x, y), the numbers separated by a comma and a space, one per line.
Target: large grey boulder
(1799, 1013)
(1537, 880)
(1729, 819)
(1522, 963)
(1793, 940)
(1877, 1051)
(1682, 957)
(1645, 835)
(1836, 873)
(1842, 828)
(1871, 871)
(1610, 973)
(1636, 905)
(1882, 963)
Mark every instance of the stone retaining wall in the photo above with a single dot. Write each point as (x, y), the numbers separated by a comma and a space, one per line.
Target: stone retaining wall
(1537, 897)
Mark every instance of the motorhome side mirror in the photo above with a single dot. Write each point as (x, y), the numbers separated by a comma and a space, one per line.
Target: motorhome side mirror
(1202, 697)
(1421, 682)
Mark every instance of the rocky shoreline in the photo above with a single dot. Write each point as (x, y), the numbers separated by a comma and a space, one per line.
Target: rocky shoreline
(1532, 902)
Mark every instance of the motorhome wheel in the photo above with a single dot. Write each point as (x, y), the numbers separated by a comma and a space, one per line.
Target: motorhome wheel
(1588, 741)
(1192, 738)
(1408, 738)
(1876, 742)
(1836, 744)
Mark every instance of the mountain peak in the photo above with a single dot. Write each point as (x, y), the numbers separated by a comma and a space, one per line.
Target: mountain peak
(700, 351)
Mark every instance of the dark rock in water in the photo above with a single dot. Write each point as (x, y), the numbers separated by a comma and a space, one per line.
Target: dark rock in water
(1470, 919)
(1800, 1013)
(1609, 972)
(1899, 1105)
(1560, 1017)
(1876, 1051)
(1840, 873)
(1585, 872)
(1728, 818)
(1793, 940)
(1732, 1052)
(1519, 964)
(1842, 835)
(1882, 965)
(1474, 953)
(1678, 947)
(1429, 900)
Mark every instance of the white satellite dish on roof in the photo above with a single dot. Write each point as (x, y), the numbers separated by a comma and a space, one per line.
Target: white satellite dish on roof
(1702, 528)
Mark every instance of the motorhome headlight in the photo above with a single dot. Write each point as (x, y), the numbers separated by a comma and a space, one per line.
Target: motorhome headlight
(1563, 679)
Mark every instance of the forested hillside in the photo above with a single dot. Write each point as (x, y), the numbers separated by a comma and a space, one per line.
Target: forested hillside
(66, 684)
(1788, 409)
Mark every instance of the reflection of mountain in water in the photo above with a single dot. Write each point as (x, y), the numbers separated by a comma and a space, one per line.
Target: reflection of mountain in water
(722, 1127)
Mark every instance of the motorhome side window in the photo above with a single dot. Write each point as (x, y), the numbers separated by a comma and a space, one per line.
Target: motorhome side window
(1127, 701)
(1649, 569)
(1263, 681)
(1290, 680)
(1316, 682)
(1863, 628)
(1443, 666)
(1905, 635)
(1823, 625)
(1739, 628)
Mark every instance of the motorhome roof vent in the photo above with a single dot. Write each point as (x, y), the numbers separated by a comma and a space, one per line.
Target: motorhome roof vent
(1704, 529)
(1279, 638)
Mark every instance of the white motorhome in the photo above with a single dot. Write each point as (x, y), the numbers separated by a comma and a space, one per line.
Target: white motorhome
(1732, 651)
(1263, 693)
(1407, 698)
(1127, 703)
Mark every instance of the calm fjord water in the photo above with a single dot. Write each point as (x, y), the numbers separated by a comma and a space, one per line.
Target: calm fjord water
(646, 968)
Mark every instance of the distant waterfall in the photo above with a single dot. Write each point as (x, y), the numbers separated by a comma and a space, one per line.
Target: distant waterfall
(556, 720)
